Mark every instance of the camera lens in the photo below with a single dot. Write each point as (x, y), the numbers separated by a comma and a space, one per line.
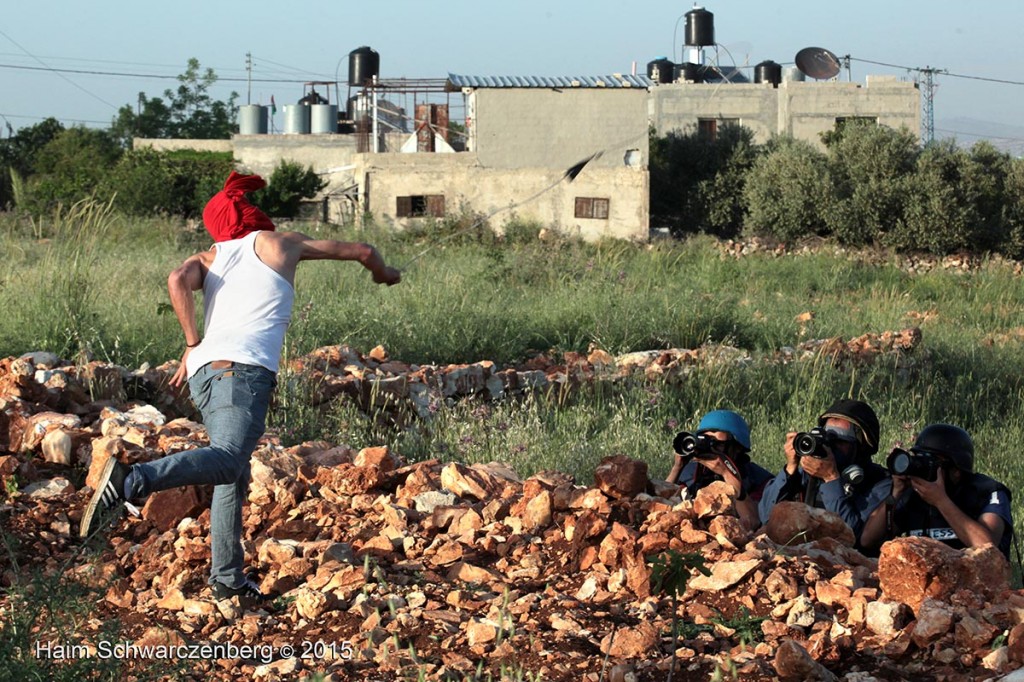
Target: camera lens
(805, 444)
(900, 463)
(685, 444)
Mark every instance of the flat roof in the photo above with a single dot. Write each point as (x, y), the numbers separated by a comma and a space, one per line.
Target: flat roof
(615, 80)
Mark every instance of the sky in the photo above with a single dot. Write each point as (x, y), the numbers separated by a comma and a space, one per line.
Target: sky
(294, 42)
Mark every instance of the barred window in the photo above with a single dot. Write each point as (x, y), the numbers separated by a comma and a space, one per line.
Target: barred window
(592, 207)
(419, 205)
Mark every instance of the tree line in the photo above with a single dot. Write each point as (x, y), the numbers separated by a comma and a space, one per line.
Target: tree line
(871, 185)
(47, 164)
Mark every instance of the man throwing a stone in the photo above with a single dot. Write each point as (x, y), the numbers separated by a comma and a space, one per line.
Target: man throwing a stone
(247, 279)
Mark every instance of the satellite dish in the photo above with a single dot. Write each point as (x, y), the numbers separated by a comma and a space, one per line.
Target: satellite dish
(818, 63)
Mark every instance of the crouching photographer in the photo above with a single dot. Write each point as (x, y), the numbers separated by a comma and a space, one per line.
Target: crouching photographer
(936, 493)
(830, 466)
(719, 450)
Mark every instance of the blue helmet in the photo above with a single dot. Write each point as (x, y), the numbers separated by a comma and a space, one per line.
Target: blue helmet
(728, 421)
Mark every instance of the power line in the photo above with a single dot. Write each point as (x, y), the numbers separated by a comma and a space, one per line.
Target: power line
(139, 75)
(91, 94)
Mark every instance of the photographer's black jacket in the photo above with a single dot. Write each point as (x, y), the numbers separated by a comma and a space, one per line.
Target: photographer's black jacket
(976, 495)
(852, 503)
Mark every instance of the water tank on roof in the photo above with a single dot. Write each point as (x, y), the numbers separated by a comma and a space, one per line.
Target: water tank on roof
(700, 27)
(793, 73)
(323, 118)
(296, 119)
(688, 71)
(252, 119)
(363, 66)
(768, 72)
(661, 70)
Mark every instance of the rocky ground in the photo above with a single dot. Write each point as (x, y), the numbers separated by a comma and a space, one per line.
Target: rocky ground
(391, 570)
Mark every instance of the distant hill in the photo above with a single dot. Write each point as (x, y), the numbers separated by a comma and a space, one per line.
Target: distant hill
(967, 131)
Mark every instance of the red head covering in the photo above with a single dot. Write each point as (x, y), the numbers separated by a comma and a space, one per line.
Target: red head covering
(229, 216)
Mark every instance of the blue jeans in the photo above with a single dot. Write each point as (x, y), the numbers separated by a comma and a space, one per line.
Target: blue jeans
(234, 406)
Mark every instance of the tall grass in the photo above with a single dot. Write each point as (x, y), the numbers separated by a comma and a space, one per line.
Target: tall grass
(91, 279)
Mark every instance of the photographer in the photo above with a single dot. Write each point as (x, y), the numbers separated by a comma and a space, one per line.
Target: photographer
(937, 494)
(720, 451)
(830, 467)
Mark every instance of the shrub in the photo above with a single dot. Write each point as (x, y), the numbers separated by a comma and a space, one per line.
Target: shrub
(697, 181)
(69, 168)
(787, 190)
(286, 188)
(179, 183)
(867, 166)
(1012, 213)
(950, 203)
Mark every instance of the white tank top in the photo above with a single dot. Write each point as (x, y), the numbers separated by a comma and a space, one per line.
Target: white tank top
(247, 308)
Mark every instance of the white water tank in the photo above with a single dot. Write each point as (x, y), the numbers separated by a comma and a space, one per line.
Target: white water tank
(323, 118)
(252, 119)
(296, 119)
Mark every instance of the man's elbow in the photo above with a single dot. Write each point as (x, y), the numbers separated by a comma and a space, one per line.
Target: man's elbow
(365, 253)
(183, 279)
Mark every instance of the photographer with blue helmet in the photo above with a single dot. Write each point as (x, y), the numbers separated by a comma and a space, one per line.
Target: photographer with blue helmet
(936, 493)
(830, 466)
(719, 450)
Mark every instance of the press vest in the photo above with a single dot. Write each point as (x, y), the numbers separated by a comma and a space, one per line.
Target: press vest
(247, 308)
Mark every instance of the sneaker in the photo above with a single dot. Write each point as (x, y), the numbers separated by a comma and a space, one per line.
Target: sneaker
(108, 499)
(248, 593)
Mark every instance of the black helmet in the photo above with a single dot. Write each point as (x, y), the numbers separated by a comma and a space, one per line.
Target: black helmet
(860, 415)
(949, 441)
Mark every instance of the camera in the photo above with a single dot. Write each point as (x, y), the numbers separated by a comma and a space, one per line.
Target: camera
(917, 464)
(694, 445)
(812, 443)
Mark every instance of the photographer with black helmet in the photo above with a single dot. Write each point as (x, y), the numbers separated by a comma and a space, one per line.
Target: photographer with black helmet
(936, 493)
(830, 466)
(720, 451)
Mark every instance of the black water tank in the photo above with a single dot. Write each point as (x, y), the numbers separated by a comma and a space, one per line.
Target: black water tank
(700, 27)
(768, 72)
(363, 65)
(688, 71)
(661, 70)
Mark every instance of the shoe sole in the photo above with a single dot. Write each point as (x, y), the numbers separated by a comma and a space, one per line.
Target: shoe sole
(97, 496)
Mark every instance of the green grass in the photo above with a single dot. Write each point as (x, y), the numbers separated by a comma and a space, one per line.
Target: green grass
(95, 281)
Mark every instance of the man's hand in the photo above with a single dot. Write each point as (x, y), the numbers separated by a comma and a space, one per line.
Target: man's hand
(792, 459)
(932, 492)
(387, 275)
(718, 466)
(824, 469)
(899, 486)
(181, 376)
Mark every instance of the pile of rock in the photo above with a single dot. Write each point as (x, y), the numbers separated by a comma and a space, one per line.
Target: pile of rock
(436, 568)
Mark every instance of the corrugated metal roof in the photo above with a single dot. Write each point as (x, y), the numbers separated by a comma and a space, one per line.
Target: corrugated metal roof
(616, 80)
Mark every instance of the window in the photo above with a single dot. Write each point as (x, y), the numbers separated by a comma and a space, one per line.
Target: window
(711, 126)
(843, 121)
(592, 207)
(419, 205)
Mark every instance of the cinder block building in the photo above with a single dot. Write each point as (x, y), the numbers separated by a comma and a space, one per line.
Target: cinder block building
(521, 135)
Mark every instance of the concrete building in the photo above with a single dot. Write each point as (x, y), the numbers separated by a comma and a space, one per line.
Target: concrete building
(523, 134)
(802, 109)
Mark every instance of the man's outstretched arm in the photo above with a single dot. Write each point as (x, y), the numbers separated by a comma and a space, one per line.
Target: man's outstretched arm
(365, 254)
(185, 279)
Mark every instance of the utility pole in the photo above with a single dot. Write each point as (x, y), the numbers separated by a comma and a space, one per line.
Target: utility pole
(927, 84)
(248, 70)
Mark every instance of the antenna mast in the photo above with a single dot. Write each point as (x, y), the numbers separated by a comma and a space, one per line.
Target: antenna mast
(928, 103)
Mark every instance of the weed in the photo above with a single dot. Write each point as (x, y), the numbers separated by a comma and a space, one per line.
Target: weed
(670, 571)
